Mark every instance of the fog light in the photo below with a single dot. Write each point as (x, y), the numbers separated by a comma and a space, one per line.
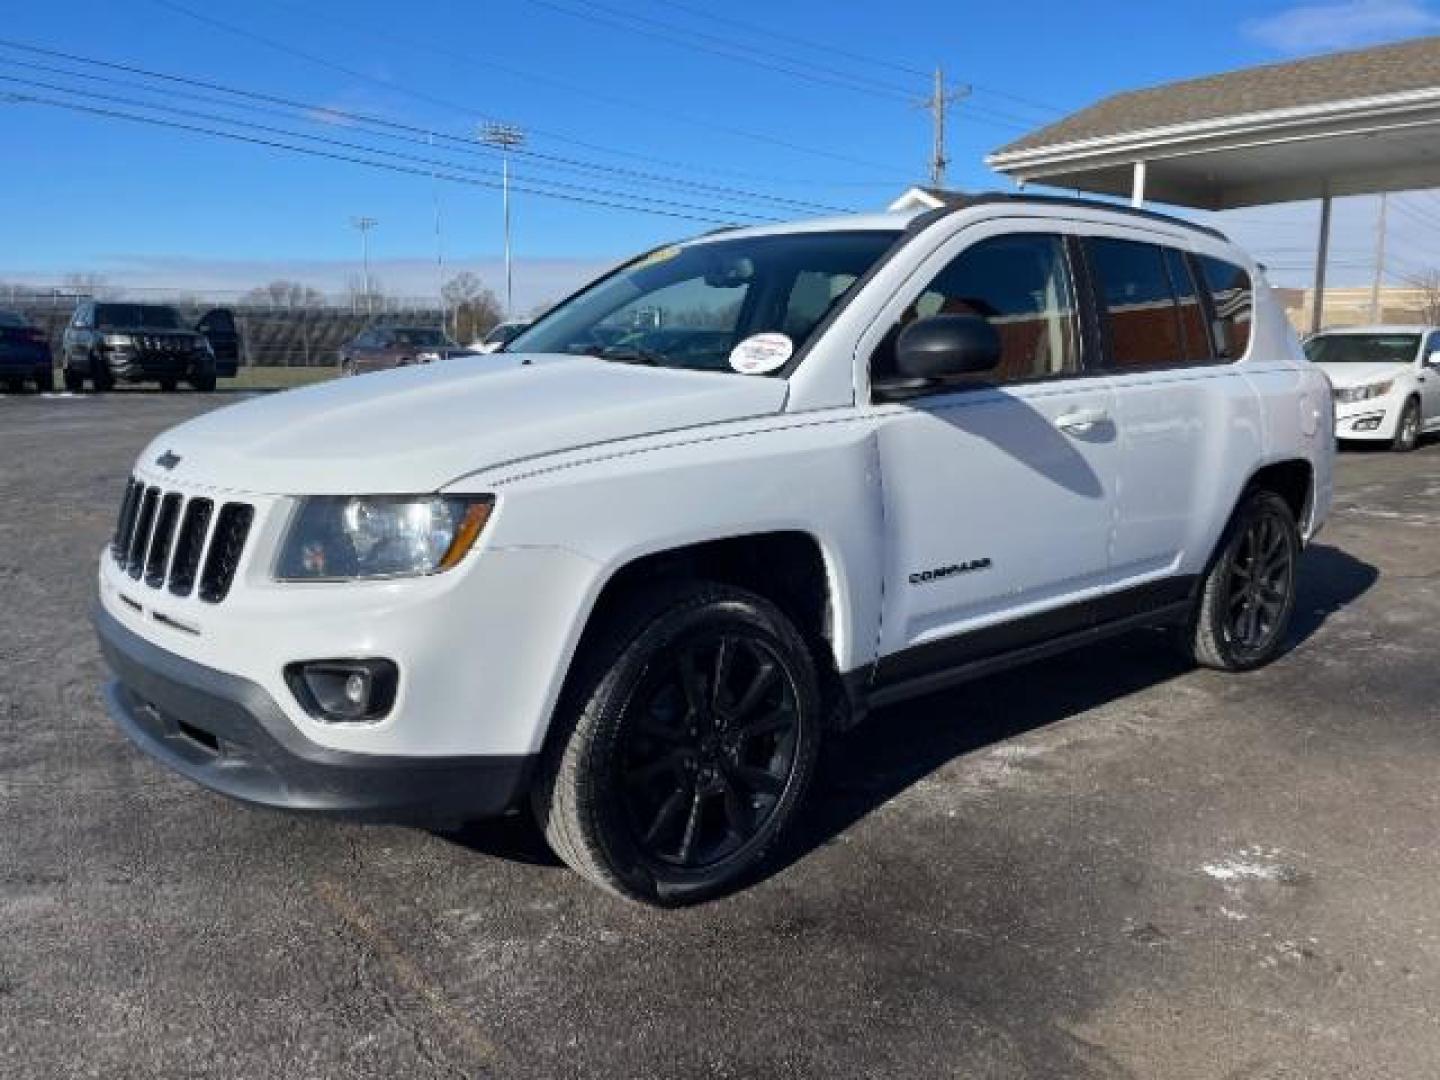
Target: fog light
(344, 691)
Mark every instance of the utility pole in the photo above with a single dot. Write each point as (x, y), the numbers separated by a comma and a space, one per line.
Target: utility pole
(1379, 263)
(439, 244)
(365, 224)
(505, 138)
(936, 105)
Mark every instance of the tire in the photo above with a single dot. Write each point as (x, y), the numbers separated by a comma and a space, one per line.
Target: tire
(1407, 432)
(14, 386)
(101, 377)
(646, 788)
(204, 382)
(74, 381)
(347, 366)
(168, 385)
(45, 381)
(1241, 619)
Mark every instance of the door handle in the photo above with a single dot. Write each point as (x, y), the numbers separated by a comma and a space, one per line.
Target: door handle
(1081, 420)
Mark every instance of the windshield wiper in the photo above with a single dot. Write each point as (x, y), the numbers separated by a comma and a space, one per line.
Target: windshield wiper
(633, 354)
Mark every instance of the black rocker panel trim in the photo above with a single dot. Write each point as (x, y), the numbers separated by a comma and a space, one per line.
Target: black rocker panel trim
(924, 668)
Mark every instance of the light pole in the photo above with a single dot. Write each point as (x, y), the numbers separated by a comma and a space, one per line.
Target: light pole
(365, 224)
(505, 138)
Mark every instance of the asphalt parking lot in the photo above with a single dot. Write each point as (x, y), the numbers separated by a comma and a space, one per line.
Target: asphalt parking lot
(1107, 866)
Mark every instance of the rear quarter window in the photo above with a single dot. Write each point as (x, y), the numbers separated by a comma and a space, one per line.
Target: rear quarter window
(1232, 299)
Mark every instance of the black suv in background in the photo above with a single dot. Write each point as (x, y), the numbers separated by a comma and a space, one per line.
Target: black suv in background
(108, 343)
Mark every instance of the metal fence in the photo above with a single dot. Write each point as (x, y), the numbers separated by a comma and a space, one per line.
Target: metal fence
(275, 331)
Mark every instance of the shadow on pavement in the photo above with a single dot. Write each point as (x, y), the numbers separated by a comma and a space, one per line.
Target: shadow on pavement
(899, 746)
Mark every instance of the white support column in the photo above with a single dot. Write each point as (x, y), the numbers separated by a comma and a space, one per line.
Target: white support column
(1322, 256)
(1137, 185)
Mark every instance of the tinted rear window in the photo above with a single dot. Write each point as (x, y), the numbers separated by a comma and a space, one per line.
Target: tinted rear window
(1139, 301)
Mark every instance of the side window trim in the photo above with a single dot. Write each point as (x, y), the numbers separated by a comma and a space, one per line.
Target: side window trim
(1085, 342)
(1095, 331)
(1176, 262)
(1207, 309)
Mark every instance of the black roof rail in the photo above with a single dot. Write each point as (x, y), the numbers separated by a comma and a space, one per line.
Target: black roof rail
(961, 201)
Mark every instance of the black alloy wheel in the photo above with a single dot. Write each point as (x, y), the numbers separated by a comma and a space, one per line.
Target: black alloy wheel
(1261, 586)
(684, 744)
(1243, 609)
(708, 747)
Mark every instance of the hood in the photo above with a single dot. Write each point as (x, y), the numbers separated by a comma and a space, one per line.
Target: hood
(416, 429)
(1358, 374)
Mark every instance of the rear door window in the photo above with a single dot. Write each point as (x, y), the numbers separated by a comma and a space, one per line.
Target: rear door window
(1137, 302)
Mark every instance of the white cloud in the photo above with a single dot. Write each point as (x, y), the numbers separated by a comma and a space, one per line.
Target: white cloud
(1308, 28)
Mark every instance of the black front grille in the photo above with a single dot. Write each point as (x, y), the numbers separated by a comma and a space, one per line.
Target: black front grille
(190, 546)
(165, 539)
(231, 528)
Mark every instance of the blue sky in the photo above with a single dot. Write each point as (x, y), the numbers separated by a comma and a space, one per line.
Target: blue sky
(607, 89)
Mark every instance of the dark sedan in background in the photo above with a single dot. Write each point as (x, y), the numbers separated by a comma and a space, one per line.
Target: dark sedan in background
(24, 354)
(383, 347)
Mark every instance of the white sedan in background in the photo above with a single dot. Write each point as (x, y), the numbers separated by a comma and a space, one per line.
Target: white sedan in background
(1386, 381)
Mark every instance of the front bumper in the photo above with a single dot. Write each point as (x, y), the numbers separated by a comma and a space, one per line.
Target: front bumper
(138, 366)
(1376, 418)
(228, 734)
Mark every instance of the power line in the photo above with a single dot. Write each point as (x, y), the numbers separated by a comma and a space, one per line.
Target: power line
(590, 93)
(336, 156)
(848, 54)
(468, 110)
(390, 127)
(749, 54)
(806, 43)
(362, 148)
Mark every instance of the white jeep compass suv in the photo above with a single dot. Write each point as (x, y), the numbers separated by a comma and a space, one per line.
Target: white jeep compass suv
(717, 504)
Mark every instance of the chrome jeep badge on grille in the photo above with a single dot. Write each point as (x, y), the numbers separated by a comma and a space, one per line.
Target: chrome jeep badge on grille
(168, 460)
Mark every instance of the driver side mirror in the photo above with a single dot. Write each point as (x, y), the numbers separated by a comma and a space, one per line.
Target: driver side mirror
(1433, 360)
(945, 346)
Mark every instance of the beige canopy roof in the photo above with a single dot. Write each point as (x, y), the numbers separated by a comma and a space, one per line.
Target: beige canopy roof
(1350, 123)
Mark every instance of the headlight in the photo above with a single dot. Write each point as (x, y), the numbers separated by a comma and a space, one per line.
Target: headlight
(1352, 394)
(118, 341)
(340, 537)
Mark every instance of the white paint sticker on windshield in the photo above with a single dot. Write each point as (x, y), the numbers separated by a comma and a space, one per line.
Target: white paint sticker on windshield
(761, 353)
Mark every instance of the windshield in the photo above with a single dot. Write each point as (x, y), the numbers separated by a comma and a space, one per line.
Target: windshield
(690, 306)
(420, 337)
(1362, 348)
(135, 316)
